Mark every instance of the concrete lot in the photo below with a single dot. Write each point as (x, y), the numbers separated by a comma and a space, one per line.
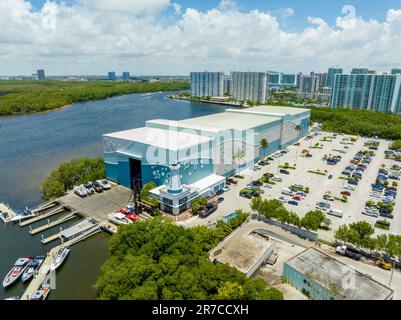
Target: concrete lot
(318, 184)
(98, 205)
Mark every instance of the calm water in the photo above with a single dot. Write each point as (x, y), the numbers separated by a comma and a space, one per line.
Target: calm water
(32, 146)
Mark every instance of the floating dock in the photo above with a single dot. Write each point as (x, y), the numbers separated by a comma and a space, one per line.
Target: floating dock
(42, 216)
(55, 223)
(75, 231)
(44, 207)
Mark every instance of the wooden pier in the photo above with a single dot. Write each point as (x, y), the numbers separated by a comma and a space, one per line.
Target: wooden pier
(55, 223)
(42, 216)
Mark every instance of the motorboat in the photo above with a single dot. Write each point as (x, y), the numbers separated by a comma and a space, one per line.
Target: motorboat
(119, 218)
(6, 214)
(34, 265)
(40, 294)
(59, 258)
(24, 215)
(16, 272)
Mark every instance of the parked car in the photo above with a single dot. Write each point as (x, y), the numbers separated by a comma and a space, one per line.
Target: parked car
(328, 197)
(283, 171)
(282, 199)
(345, 193)
(220, 200)
(276, 179)
(226, 189)
(330, 176)
(104, 184)
(296, 198)
(293, 202)
(219, 192)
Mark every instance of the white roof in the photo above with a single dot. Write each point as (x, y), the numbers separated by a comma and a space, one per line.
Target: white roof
(162, 138)
(207, 182)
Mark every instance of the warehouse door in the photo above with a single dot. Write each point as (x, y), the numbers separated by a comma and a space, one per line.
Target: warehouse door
(135, 170)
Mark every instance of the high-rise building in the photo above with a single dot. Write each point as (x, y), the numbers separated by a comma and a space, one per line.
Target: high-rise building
(322, 79)
(41, 74)
(360, 71)
(111, 76)
(207, 84)
(273, 77)
(396, 71)
(331, 75)
(249, 86)
(289, 79)
(126, 76)
(309, 84)
(367, 92)
(228, 87)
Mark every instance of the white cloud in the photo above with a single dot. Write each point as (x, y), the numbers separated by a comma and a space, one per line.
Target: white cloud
(288, 12)
(158, 37)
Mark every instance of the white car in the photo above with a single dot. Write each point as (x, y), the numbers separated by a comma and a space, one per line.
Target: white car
(282, 199)
(370, 213)
(375, 194)
(349, 187)
(80, 191)
(104, 184)
(266, 185)
(276, 179)
(226, 189)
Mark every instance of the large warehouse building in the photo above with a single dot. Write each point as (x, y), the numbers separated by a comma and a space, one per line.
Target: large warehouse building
(321, 277)
(208, 148)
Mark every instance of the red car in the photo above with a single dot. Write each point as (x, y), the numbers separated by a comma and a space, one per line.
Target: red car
(132, 217)
(346, 193)
(392, 188)
(296, 198)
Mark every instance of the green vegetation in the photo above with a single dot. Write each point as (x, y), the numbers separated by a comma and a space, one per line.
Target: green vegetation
(396, 145)
(18, 97)
(274, 209)
(318, 172)
(197, 205)
(360, 234)
(77, 171)
(145, 196)
(358, 122)
(156, 259)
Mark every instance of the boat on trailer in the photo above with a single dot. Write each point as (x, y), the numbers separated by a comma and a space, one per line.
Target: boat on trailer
(119, 218)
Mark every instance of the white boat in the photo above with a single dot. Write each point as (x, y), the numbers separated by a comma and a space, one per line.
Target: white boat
(26, 214)
(6, 214)
(40, 294)
(33, 266)
(80, 191)
(59, 258)
(119, 218)
(18, 269)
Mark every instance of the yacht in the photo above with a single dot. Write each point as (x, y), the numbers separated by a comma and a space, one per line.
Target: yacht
(60, 257)
(34, 265)
(17, 270)
(119, 218)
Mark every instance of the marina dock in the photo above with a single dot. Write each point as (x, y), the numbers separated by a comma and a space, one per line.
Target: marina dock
(55, 223)
(42, 216)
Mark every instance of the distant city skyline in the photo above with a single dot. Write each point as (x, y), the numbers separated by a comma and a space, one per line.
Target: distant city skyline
(175, 37)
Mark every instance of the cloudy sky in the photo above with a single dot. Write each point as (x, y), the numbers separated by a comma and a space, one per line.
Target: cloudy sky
(178, 36)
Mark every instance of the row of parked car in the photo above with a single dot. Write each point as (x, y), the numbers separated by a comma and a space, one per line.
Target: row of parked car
(355, 170)
(87, 189)
(296, 193)
(387, 194)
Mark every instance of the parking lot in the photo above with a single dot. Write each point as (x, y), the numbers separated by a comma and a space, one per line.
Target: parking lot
(319, 184)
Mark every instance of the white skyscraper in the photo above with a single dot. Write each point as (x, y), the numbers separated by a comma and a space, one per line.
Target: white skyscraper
(249, 86)
(207, 84)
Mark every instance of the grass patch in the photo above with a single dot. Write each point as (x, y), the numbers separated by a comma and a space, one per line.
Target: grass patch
(318, 172)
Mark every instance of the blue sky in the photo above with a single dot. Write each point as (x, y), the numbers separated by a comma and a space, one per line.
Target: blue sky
(325, 9)
(179, 36)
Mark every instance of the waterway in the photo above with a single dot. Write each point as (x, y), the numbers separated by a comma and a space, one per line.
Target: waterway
(32, 146)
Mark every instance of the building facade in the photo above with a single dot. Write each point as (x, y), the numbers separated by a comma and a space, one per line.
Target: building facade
(309, 84)
(367, 92)
(331, 74)
(111, 76)
(360, 71)
(321, 277)
(249, 86)
(41, 74)
(207, 84)
(126, 76)
(208, 149)
(396, 71)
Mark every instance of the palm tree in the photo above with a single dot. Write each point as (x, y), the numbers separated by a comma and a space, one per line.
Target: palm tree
(264, 144)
